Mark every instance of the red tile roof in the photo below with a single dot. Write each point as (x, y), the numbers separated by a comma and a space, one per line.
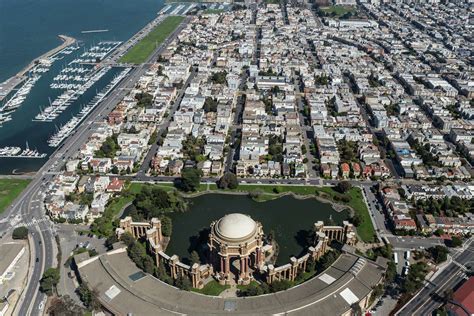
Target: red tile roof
(464, 296)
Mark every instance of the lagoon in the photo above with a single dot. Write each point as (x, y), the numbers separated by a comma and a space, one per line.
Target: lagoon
(288, 217)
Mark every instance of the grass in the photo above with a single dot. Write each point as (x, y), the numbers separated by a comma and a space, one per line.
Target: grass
(9, 190)
(338, 10)
(142, 50)
(212, 288)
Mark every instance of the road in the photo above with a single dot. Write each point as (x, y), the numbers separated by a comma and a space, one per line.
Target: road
(164, 125)
(28, 204)
(430, 296)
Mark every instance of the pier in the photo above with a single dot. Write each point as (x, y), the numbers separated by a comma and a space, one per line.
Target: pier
(7, 86)
(94, 31)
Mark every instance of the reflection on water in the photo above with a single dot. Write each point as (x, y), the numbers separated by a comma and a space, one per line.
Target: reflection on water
(289, 218)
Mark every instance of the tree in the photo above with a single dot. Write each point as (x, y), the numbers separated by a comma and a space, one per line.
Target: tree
(455, 242)
(110, 241)
(49, 281)
(439, 232)
(163, 275)
(438, 253)
(166, 226)
(219, 77)
(64, 305)
(148, 264)
(195, 257)
(20, 233)
(190, 179)
(253, 289)
(127, 239)
(89, 297)
(356, 220)
(115, 169)
(343, 186)
(228, 181)
(391, 272)
(183, 283)
(281, 285)
(210, 105)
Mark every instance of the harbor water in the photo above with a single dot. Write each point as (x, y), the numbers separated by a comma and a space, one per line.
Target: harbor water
(31, 28)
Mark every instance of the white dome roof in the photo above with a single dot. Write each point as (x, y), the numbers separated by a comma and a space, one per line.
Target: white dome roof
(235, 226)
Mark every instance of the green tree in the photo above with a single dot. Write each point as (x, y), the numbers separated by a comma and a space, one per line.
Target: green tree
(127, 239)
(391, 272)
(183, 283)
(343, 186)
(20, 233)
(281, 285)
(219, 77)
(190, 179)
(438, 253)
(195, 257)
(49, 281)
(166, 225)
(163, 275)
(455, 241)
(228, 181)
(89, 297)
(210, 105)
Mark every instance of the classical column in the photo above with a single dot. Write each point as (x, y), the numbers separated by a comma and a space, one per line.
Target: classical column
(227, 265)
(222, 264)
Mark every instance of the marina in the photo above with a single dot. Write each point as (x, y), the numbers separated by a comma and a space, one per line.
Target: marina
(55, 108)
(96, 53)
(17, 152)
(20, 95)
(19, 126)
(67, 129)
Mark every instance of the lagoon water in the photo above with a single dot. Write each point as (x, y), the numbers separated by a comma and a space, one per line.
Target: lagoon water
(289, 218)
(29, 28)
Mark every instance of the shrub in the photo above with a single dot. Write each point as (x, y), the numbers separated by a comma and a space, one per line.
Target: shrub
(20, 233)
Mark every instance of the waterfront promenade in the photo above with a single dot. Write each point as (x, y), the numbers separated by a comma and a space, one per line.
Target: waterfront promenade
(8, 85)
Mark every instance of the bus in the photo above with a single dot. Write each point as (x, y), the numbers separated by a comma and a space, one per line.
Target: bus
(395, 257)
(407, 254)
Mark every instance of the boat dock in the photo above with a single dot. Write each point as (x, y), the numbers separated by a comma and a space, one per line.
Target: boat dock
(7, 86)
(67, 129)
(17, 152)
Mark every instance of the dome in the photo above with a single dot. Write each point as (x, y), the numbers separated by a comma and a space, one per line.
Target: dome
(235, 226)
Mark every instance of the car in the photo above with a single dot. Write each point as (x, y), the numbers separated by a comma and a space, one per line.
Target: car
(39, 242)
(37, 259)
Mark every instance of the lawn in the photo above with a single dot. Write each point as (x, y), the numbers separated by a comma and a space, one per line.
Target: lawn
(142, 50)
(212, 288)
(9, 190)
(337, 10)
